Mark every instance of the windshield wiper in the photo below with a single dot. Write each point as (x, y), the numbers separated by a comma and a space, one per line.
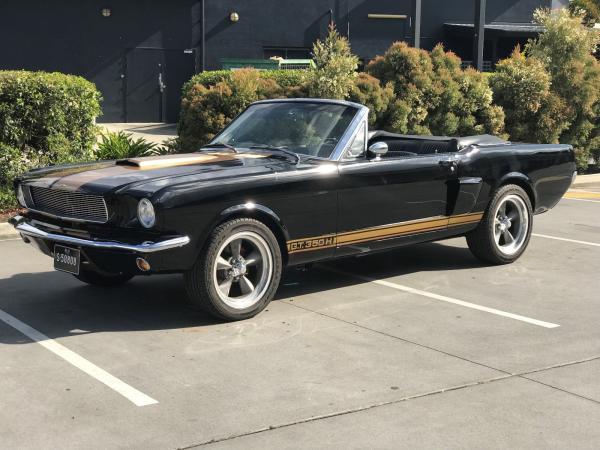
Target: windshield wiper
(221, 145)
(278, 149)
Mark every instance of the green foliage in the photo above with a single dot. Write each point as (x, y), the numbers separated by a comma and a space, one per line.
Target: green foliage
(14, 162)
(121, 145)
(284, 78)
(567, 50)
(434, 95)
(522, 86)
(52, 113)
(205, 110)
(8, 200)
(335, 67)
(589, 9)
(367, 90)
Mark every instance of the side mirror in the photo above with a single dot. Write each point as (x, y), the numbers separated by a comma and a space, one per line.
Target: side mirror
(377, 149)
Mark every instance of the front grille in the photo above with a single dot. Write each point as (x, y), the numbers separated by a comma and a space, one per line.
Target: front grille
(71, 205)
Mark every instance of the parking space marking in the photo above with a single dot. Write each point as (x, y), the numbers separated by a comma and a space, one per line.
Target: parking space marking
(443, 298)
(575, 241)
(136, 397)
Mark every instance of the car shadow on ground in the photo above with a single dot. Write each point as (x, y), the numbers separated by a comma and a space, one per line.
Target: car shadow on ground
(58, 305)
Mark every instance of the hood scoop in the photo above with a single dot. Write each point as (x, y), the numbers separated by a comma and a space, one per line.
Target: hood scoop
(184, 159)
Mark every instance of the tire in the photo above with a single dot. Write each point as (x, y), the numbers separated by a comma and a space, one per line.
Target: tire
(238, 272)
(508, 215)
(98, 279)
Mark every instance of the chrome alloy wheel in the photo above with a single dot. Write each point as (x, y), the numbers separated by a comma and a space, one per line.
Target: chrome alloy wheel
(511, 223)
(243, 269)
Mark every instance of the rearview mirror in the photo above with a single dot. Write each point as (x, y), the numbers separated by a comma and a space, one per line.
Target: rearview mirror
(377, 149)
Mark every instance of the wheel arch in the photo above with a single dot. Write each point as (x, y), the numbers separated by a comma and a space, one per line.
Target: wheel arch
(521, 180)
(263, 214)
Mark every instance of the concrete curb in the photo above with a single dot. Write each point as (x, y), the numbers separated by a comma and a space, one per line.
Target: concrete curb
(7, 231)
(587, 180)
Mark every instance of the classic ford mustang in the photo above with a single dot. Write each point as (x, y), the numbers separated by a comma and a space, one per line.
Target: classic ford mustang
(288, 182)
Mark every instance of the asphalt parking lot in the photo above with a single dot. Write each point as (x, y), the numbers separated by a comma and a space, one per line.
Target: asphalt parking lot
(422, 347)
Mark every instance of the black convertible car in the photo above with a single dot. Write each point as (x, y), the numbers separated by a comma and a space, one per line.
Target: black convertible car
(288, 182)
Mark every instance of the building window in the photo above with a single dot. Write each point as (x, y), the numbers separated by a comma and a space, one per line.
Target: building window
(287, 52)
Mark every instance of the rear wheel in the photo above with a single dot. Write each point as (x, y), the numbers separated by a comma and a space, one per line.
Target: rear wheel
(237, 275)
(98, 279)
(504, 232)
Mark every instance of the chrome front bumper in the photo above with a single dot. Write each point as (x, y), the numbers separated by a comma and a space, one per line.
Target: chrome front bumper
(28, 230)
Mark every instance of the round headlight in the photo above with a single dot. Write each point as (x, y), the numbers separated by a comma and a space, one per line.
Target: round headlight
(146, 214)
(21, 196)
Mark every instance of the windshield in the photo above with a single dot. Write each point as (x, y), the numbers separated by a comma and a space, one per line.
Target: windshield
(305, 128)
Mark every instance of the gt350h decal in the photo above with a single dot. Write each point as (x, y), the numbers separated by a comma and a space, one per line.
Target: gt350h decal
(381, 232)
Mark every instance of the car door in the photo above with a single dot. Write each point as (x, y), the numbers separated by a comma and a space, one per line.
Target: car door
(384, 201)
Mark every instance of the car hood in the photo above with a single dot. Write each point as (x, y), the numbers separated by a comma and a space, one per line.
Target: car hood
(159, 171)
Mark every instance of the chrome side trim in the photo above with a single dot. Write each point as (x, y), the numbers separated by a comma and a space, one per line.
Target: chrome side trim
(146, 247)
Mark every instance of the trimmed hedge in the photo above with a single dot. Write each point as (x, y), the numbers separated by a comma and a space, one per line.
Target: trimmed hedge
(284, 78)
(52, 113)
(45, 118)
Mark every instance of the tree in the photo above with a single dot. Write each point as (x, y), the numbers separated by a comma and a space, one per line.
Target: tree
(434, 95)
(335, 67)
(533, 112)
(589, 9)
(566, 48)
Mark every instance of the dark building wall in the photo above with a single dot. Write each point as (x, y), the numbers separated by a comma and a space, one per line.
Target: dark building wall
(121, 53)
(72, 36)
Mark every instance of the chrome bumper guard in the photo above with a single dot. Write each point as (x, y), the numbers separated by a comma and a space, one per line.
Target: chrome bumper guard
(146, 247)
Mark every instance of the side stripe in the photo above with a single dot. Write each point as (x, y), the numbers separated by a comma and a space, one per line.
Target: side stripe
(381, 232)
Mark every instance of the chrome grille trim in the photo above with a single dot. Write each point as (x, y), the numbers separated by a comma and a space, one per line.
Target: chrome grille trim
(68, 204)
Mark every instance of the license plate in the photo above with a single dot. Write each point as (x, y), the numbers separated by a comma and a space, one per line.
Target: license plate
(66, 259)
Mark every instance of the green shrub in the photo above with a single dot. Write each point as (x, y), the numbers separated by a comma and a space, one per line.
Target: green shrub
(205, 110)
(522, 86)
(434, 95)
(589, 9)
(52, 113)
(335, 67)
(8, 200)
(567, 50)
(284, 78)
(14, 162)
(367, 90)
(121, 145)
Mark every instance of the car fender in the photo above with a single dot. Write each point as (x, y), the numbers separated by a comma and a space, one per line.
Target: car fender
(522, 180)
(251, 210)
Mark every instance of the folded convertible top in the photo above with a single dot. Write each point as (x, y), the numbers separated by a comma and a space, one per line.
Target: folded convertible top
(457, 142)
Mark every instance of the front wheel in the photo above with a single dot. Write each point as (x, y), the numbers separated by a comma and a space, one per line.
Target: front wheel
(504, 232)
(239, 271)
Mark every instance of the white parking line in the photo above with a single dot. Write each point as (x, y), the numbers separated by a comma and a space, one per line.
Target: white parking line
(130, 393)
(575, 241)
(443, 298)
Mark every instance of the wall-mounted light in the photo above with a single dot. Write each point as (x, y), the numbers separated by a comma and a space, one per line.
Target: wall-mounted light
(234, 17)
(106, 12)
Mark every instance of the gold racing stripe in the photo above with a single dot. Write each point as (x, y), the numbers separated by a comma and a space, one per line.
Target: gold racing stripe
(381, 232)
(73, 180)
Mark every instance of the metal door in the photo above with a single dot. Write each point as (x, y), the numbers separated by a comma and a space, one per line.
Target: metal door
(153, 81)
